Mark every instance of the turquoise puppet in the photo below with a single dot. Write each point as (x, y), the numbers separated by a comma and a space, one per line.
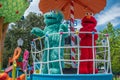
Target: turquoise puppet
(53, 21)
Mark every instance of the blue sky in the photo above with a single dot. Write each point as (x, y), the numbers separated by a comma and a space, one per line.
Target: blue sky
(111, 13)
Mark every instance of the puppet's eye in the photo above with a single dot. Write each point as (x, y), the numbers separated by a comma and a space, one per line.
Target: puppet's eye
(86, 14)
(56, 12)
(91, 14)
(53, 11)
(50, 10)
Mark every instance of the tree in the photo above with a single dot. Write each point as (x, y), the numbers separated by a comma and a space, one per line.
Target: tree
(21, 29)
(114, 40)
(10, 11)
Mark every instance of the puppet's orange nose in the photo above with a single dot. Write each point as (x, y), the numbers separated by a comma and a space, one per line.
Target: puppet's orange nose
(88, 16)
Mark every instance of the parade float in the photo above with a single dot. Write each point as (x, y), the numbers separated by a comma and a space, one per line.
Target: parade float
(53, 58)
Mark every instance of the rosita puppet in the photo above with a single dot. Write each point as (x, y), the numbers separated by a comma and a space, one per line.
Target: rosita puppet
(88, 25)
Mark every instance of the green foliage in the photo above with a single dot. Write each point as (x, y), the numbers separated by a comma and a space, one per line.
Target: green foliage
(115, 65)
(12, 10)
(21, 29)
(114, 40)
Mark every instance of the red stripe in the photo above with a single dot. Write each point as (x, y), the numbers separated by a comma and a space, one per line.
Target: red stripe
(73, 58)
(73, 38)
(72, 12)
(72, 29)
(72, 21)
(74, 62)
(73, 49)
(71, 3)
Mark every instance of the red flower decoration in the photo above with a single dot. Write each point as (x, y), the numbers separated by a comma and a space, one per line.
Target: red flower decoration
(0, 5)
(17, 12)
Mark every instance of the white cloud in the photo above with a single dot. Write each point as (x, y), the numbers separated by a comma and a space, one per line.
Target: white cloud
(115, 22)
(109, 16)
(33, 7)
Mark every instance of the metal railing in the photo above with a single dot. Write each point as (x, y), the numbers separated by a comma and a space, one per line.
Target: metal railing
(102, 60)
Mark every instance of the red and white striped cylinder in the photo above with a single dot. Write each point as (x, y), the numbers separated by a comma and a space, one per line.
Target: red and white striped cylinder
(73, 52)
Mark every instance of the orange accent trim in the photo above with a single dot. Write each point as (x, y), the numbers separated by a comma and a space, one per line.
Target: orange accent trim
(16, 55)
(5, 76)
(17, 52)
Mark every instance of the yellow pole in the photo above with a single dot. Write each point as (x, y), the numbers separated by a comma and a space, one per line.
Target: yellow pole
(14, 70)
